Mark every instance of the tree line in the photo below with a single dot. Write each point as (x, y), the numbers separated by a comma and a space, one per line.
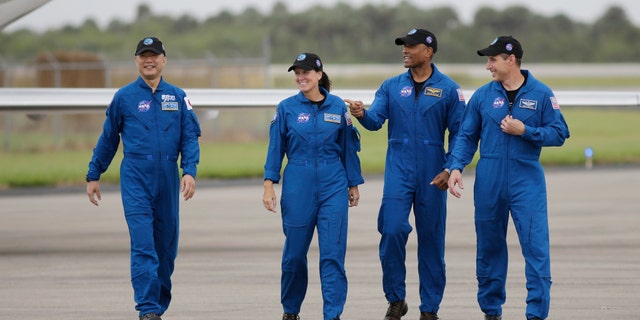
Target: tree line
(340, 34)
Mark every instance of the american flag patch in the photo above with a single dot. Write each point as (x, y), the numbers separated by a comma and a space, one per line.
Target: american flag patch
(460, 95)
(554, 103)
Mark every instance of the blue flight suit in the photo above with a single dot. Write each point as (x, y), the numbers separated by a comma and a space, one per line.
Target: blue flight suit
(321, 146)
(510, 178)
(156, 129)
(415, 155)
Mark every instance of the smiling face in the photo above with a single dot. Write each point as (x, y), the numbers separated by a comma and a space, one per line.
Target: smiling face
(150, 65)
(416, 55)
(500, 66)
(307, 80)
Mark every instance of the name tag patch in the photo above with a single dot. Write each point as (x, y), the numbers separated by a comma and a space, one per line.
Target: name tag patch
(330, 117)
(170, 106)
(434, 92)
(528, 104)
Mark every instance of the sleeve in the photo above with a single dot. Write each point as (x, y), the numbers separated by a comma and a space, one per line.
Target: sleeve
(277, 146)
(108, 142)
(378, 112)
(553, 130)
(189, 145)
(351, 147)
(466, 142)
(455, 112)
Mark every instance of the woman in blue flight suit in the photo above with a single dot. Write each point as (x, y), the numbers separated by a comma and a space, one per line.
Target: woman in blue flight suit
(314, 130)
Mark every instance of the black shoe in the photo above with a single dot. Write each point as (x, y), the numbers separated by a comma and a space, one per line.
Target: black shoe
(150, 316)
(428, 316)
(489, 317)
(290, 316)
(396, 310)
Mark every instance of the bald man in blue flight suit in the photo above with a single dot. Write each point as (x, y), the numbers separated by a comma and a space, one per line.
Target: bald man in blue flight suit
(157, 126)
(421, 105)
(512, 117)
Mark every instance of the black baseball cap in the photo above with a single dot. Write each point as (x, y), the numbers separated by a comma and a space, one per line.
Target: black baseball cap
(416, 36)
(307, 61)
(503, 44)
(150, 44)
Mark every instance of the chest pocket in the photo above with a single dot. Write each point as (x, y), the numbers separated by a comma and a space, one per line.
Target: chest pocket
(321, 127)
(528, 111)
(167, 119)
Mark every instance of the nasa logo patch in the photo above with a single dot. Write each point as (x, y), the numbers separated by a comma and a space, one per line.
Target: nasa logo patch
(406, 91)
(304, 117)
(144, 105)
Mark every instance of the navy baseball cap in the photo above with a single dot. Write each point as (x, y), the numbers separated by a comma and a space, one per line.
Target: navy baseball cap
(503, 44)
(416, 36)
(307, 61)
(150, 44)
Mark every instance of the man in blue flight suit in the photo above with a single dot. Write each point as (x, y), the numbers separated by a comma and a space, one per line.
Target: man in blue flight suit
(157, 126)
(421, 105)
(512, 117)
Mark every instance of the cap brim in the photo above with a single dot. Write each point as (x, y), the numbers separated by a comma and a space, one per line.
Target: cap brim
(405, 40)
(301, 66)
(489, 52)
(152, 49)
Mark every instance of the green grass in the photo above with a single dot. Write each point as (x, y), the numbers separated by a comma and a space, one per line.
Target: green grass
(612, 133)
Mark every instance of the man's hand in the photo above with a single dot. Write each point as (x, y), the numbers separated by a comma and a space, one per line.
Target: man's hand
(455, 179)
(188, 186)
(354, 196)
(512, 126)
(441, 180)
(356, 108)
(93, 191)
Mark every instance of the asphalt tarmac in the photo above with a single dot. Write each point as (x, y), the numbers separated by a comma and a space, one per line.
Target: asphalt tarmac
(63, 258)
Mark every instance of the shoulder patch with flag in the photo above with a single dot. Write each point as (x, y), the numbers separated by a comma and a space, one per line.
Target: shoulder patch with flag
(347, 116)
(554, 103)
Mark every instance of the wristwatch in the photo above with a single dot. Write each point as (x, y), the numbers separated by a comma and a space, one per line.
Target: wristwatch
(447, 170)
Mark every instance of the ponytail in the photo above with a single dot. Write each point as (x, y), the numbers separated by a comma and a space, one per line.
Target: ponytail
(325, 82)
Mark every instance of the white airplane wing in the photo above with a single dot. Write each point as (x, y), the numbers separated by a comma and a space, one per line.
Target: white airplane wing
(12, 10)
(84, 100)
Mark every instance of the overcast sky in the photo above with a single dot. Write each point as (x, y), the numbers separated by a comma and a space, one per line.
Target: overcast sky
(57, 13)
